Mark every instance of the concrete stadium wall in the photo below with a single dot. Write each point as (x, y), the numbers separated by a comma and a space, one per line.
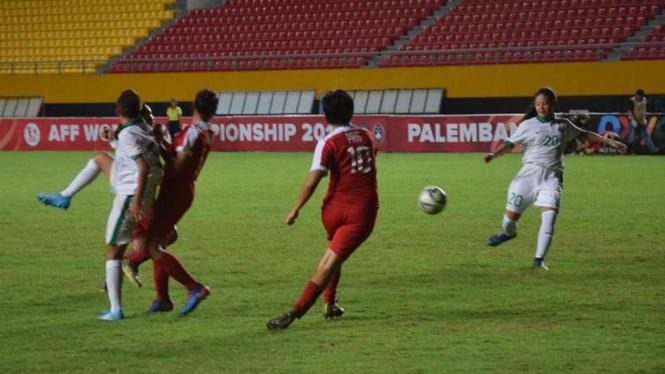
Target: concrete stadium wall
(460, 82)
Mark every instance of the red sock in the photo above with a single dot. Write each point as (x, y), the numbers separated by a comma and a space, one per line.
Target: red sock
(308, 298)
(161, 280)
(170, 264)
(330, 292)
(138, 257)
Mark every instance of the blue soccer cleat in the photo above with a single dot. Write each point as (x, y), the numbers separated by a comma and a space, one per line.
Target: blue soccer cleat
(497, 239)
(195, 298)
(55, 200)
(160, 306)
(108, 315)
(539, 263)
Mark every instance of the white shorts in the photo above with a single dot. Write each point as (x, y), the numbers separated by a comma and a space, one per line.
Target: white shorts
(534, 185)
(120, 227)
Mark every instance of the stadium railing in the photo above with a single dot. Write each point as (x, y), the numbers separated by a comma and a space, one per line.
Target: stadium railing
(208, 62)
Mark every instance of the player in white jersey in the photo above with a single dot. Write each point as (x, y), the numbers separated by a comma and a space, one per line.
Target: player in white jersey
(134, 175)
(103, 162)
(539, 181)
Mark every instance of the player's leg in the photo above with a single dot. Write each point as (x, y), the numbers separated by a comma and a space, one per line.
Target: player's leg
(630, 138)
(358, 225)
(521, 195)
(119, 230)
(549, 200)
(545, 236)
(644, 134)
(347, 226)
(162, 302)
(331, 308)
(113, 283)
(330, 263)
(170, 264)
(131, 263)
(133, 260)
(100, 162)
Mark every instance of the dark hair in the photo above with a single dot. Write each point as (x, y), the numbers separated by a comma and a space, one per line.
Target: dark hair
(639, 92)
(146, 114)
(205, 104)
(128, 104)
(338, 107)
(547, 92)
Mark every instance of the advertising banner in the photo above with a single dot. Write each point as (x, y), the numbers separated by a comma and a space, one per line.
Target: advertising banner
(459, 133)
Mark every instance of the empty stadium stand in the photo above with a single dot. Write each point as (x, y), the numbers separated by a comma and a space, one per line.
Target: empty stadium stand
(125, 36)
(279, 34)
(652, 49)
(490, 31)
(49, 36)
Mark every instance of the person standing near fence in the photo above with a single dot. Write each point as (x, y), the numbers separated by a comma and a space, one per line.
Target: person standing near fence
(174, 112)
(638, 122)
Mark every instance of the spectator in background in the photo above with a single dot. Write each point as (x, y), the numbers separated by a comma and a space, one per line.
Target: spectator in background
(638, 120)
(174, 113)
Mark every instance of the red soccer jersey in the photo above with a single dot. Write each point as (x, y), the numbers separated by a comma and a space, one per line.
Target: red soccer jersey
(194, 140)
(348, 154)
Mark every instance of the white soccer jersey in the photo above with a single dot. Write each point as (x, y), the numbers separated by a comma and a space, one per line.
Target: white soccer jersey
(544, 141)
(134, 141)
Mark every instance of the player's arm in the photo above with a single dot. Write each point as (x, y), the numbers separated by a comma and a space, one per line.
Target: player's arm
(305, 194)
(165, 147)
(520, 136)
(507, 146)
(135, 209)
(593, 137)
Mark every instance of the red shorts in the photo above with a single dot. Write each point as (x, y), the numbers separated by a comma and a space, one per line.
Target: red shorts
(348, 225)
(172, 203)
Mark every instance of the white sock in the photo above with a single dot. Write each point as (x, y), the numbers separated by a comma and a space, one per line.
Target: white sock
(88, 174)
(114, 283)
(546, 233)
(509, 226)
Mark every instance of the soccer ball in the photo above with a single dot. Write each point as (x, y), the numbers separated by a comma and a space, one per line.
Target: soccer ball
(432, 200)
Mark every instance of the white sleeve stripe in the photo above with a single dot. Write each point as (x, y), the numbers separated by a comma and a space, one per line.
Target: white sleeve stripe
(318, 151)
(189, 140)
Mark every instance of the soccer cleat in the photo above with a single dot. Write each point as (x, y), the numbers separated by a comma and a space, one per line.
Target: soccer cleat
(108, 315)
(539, 263)
(497, 239)
(283, 321)
(332, 310)
(55, 200)
(195, 298)
(131, 272)
(102, 287)
(160, 306)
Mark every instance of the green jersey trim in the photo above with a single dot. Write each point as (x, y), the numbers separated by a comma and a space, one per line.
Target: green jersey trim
(121, 219)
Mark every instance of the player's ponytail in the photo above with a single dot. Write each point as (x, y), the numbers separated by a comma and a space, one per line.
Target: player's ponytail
(547, 92)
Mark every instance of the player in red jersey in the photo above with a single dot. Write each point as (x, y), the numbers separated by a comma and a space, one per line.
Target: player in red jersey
(184, 159)
(349, 209)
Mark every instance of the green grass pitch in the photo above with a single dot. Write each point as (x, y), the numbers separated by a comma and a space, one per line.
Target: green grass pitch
(423, 295)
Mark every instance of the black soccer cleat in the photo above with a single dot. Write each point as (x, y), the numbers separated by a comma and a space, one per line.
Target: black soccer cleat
(497, 239)
(283, 321)
(332, 311)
